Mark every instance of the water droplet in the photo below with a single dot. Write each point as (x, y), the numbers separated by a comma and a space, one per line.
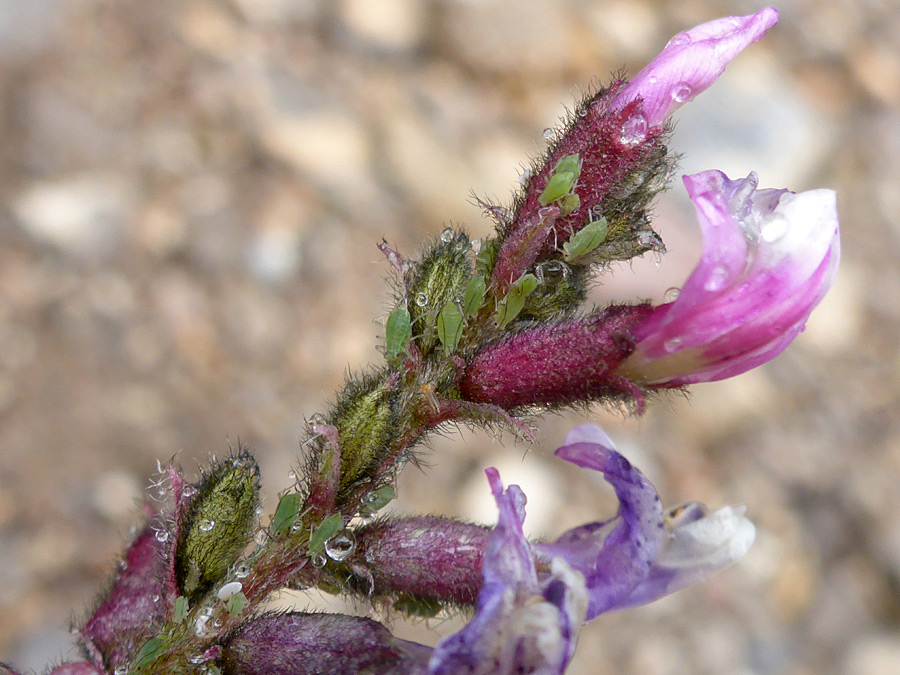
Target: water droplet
(421, 300)
(197, 659)
(551, 271)
(582, 112)
(319, 560)
(653, 79)
(680, 39)
(447, 235)
(716, 279)
(206, 525)
(673, 344)
(292, 475)
(230, 589)
(242, 572)
(524, 177)
(681, 92)
(297, 526)
(189, 491)
(155, 598)
(317, 420)
(162, 536)
(634, 130)
(217, 623)
(121, 670)
(672, 294)
(365, 519)
(548, 133)
(462, 243)
(773, 228)
(340, 545)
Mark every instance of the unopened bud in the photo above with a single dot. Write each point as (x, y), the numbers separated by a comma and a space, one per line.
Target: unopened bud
(217, 524)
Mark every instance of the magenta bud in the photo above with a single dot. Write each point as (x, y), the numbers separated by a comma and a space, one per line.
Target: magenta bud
(557, 364)
(297, 643)
(425, 557)
(134, 605)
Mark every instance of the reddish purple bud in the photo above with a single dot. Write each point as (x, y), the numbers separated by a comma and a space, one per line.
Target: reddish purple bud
(557, 364)
(424, 557)
(308, 644)
(690, 63)
(134, 606)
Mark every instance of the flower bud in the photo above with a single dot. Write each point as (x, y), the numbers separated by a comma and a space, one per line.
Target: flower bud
(296, 643)
(424, 557)
(216, 524)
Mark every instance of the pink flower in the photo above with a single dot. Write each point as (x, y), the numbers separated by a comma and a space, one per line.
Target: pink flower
(769, 256)
(691, 62)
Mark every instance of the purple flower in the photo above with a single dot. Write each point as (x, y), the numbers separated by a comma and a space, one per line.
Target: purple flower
(522, 623)
(769, 256)
(691, 62)
(643, 553)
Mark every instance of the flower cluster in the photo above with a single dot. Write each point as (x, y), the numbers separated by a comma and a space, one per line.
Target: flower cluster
(490, 334)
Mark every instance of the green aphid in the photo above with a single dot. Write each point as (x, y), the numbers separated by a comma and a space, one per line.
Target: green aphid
(217, 525)
(236, 604)
(586, 240)
(421, 607)
(397, 333)
(149, 652)
(450, 324)
(473, 296)
(510, 307)
(563, 179)
(286, 513)
(325, 531)
(377, 499)
(180, 611)
(487, 256)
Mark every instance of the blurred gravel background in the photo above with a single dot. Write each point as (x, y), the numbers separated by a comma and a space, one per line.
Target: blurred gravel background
(190, 196)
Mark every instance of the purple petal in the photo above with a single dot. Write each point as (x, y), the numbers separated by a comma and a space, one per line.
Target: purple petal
(691, 62)
(769, 256)
(614, 556)
(697, 547)
(519, 626)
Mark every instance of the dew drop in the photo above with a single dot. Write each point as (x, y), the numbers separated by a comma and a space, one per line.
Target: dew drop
(197, 659)
(200, 628)
(582, 112)
(319, 560)
(121, 670)
(447, 235)
(653, 79)
(340, 545)
(162, 536)
(551, 271)
(421, 300)
(681, 92)
(524, 177)
(155, 598)
(206, 525)
(673, 344)
(672, 294)
(189, 491)
(679, 40)
(717, 277)
(217, 623)
(634, 130)
(773, 228)
(292, 475)
(548, 133)
(230, 589)
(242, 572)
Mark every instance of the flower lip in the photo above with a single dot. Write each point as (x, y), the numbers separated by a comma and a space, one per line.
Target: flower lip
(642, 554)
(691, 62)
(769, 257)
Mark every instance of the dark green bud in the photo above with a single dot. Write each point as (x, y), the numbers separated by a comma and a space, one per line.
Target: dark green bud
(437, 280)
(217, 524)
(365, 418)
